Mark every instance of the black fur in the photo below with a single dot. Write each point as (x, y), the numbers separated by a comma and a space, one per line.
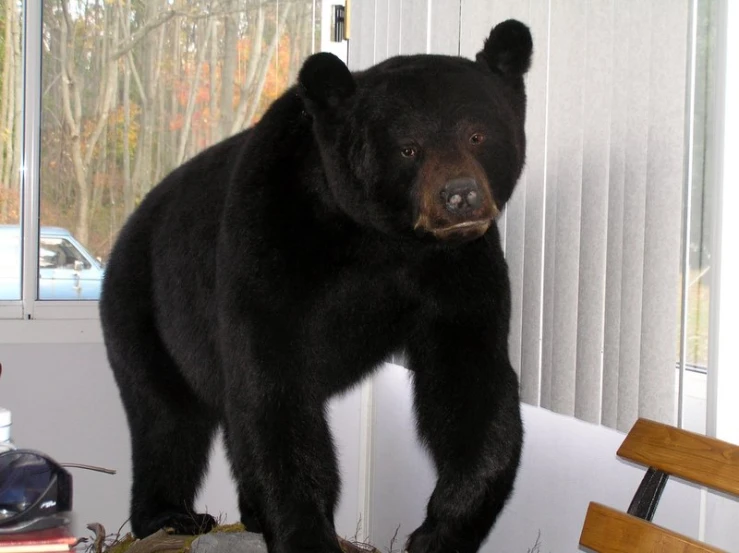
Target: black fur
(508, 49)
(278, 268)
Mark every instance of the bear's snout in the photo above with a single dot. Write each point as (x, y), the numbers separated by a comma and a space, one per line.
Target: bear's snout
(461, 196)
(458, 209)
(453, 199)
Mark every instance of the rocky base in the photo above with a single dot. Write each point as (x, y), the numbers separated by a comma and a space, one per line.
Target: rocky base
(225, 542)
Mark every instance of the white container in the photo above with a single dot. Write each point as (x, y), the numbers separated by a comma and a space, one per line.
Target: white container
(5, 424)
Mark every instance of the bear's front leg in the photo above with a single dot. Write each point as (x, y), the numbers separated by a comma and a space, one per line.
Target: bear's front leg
(467, 406)
(281, 451)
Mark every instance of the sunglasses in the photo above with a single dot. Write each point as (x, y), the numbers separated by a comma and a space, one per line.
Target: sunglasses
(35, 491)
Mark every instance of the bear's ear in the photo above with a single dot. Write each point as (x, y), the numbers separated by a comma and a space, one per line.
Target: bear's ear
(324, 82)
(507, 50)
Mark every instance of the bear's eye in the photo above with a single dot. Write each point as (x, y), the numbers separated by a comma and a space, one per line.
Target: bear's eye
(409, 151)
(477, 138)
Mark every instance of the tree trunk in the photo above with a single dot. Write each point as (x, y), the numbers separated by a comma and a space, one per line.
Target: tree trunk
(255, 55)
(161, 136)
(301, 23)
(15, 174)
(213, 126)
(202, 49)
(10, 118)
(128, 195)
(258, 87)
(228, 73)
(151, 68)
(177, 64)
(70, 94)
(6, 136)
(72, 107)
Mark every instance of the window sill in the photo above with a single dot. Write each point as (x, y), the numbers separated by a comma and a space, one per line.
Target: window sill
(50, 322)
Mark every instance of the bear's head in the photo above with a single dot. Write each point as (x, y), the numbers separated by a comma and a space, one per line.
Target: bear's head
(423, 145)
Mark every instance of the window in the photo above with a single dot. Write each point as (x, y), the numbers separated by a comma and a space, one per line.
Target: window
(10, 264)
(60, 254)
(11, 144)
(127, 91)
(696, 276)
(66, 269)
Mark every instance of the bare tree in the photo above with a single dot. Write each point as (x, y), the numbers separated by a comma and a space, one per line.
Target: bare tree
(10, 113)
(151, 55)
(73, 113)
(201, 49)
(129, 67)
(6, 98)
(133, 88)
(258, 66)
(228, 71)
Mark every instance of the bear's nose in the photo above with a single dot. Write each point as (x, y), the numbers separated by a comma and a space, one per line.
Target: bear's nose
(461, 196)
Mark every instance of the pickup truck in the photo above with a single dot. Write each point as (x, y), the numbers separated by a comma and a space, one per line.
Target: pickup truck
(67, 271)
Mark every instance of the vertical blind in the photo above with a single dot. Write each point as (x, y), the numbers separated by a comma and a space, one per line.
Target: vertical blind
(592, 232)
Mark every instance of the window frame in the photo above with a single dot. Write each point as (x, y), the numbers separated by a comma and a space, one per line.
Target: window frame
(723, 354)
(34, 320)
(29, 307)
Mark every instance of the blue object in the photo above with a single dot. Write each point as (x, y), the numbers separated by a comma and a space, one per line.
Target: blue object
(67, 271)
(34, 490)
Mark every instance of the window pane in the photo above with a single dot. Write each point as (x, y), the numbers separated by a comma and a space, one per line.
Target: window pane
(11, 136)
(697, 274)
(66, 269)
(132, 89)
(701, 219)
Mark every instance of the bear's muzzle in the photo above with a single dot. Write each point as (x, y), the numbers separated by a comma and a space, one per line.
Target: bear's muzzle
(460, 209)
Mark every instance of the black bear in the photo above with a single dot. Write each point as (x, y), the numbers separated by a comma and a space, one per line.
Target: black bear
(279, 267)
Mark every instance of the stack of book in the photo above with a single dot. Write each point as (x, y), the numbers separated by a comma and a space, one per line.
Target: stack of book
(51, 540)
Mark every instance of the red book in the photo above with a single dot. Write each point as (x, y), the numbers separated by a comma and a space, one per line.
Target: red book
(51, 540)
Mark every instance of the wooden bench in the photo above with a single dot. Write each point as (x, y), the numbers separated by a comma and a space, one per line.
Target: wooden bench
(666, 451)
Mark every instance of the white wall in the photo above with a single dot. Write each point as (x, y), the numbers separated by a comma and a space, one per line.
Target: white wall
(65, 403)
(566, 464)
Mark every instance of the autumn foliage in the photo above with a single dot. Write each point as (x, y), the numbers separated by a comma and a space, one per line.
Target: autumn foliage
(132, 88)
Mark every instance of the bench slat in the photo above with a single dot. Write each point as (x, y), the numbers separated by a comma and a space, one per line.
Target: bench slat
(609, 531)
(697, 458)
